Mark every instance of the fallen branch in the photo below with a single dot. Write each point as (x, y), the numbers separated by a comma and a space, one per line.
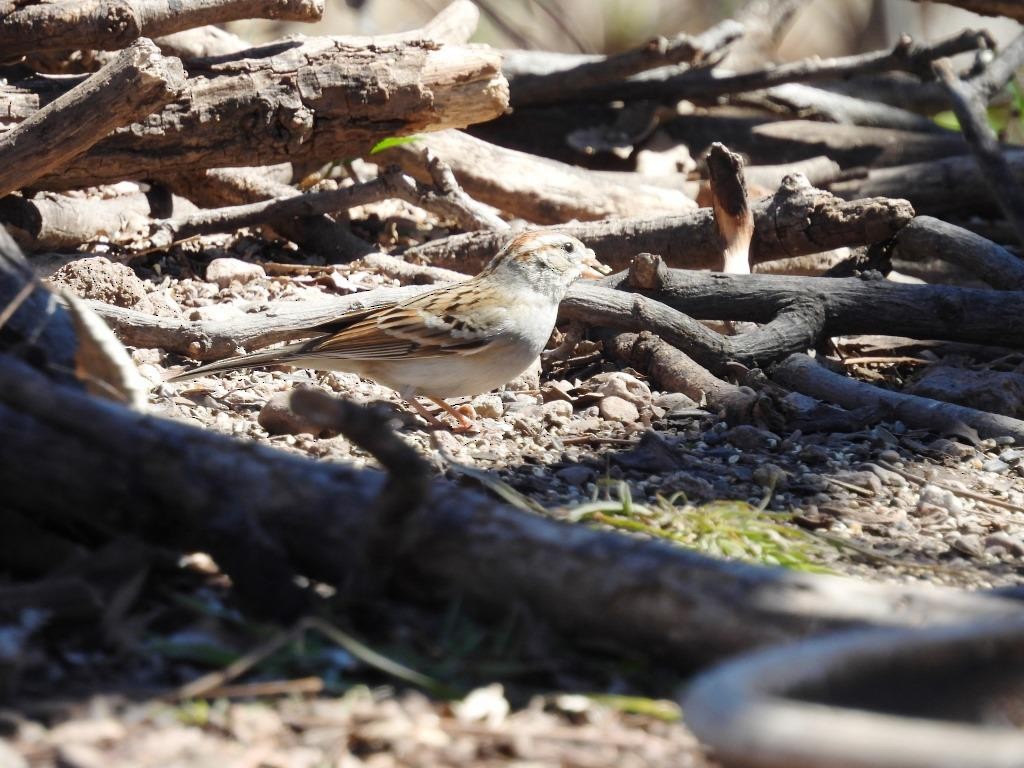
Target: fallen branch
(536, 188)
(702, 85)
(51, 221)
(801, 373)
(972, 113)
(797, 220)
(392, 184)
(318, 233)
(115, 24)
(253, 108)
(587, 76)
(132, 86)
(458, 542)
(926, 238)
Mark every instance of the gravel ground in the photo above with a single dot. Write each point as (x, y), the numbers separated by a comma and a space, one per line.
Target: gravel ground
(884, 503)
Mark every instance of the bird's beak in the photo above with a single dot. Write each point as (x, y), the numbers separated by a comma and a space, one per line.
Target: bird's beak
(592, 268)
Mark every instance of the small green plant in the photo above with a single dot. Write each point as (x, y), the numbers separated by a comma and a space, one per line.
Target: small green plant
(731, 529)
(393, 141)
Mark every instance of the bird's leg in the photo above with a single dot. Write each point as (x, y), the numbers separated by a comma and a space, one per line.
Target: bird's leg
(431, 419)
(466, 424)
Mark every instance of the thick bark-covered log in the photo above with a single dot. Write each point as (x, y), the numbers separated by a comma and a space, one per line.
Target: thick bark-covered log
(797, 220)
(302, 101)
(136, 83)
(192, 489)
(535, 188)
(114, 24)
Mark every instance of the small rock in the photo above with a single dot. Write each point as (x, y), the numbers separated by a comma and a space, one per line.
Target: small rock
(577, 474)
(100, 731)
(674, 402)
(224, 271)
(527, 380)
(748, 437)
(99, 278)
(933, 496)
(969, 544)
(944, 447)
(889, 455)
(557, 411)
(616, 409)
(215, 312)
(79, 756)
(1014, 454)
(278, 418)
(995, 465)
(1002, 540)
(488, 406)
(254, 723)
(622, 385)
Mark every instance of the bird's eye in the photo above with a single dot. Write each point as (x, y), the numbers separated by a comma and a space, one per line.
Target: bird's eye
(568, 247)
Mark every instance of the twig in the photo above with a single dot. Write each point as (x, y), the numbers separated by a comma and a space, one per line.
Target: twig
(408, 480)
(971, 111)
(448, 198)
(659, 52)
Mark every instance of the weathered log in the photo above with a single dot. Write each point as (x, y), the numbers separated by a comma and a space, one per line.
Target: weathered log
(535, 188)
(169, 482)
(50, 221)
(971, 110)
(803, 374)
(131, 87)
(797, 220)
(302, 101)
(867, 699)
(926, 238)
(114, 24)
(947, 185)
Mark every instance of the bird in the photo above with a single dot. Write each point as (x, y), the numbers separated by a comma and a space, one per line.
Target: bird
(457, 340)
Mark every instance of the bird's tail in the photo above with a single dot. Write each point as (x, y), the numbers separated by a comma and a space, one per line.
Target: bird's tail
(278, 355)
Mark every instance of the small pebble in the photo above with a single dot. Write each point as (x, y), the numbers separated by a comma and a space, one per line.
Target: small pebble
(616, 409)
(278, 418)
(225, 271)
(488, 406)
(577, 475)
(995, 465)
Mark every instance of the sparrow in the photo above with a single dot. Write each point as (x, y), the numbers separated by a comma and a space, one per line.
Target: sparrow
(457, 340)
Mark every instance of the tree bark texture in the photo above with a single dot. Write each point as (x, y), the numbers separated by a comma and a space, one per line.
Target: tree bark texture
(138, 82)
(535, 188)
(318, 100)
(110, 25)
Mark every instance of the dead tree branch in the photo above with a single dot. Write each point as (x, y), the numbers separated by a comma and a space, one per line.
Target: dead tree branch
(536, 188)
(925, 238)
(310, 516)
(134, 85)
(972, 113)
(114, 24)
(801, 373)
(254, 108)
(797, 220)
(937, 187)
(584, 77)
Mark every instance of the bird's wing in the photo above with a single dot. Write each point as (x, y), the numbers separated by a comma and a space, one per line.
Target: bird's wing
(453, 320)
